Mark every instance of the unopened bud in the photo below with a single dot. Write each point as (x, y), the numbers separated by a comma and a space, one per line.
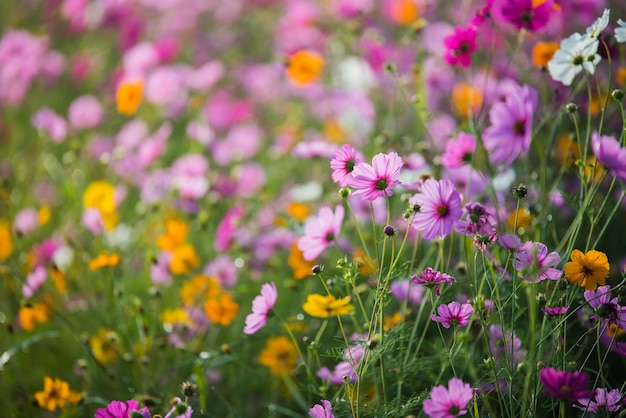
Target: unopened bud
(617, 95)
(571, 108)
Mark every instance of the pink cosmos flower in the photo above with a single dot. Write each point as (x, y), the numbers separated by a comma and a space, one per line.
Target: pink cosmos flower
(343, 163)
(535, 264)
(459, 151)
(561, 384)
(406, 290)
(609, 153)
(555, 310)
(118, 409)
(505, 346)
(432, 278)
(604, 401)
(450, 402)
(510, 132)
(477, 221)
(34, 281)
(225, 233)
(527, 14)
(321, 232)
(51, 123)
(322, 411)
(85, 112)
(453, 314)
(378, 179)
(460, 45)
(342, 374)
(26, 220)
(261, 308)
(440, 207)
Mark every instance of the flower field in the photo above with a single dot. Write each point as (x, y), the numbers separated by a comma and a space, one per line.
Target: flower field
(312, 208)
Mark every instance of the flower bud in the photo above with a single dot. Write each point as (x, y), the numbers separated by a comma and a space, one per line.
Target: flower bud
(520, 191)
(317, 269)
(571, 108)
(389, 230)
(617, 95)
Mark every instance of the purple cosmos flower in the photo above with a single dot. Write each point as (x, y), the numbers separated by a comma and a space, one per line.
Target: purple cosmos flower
(453, 314)
(561, 384)
(343, 163)
(555, 310)
(450, 402)
(117, 409)
(609, 153)
(261, 308)
(505, 346)
(343, 373)
(440, 206)
(535, 263)
(459, 151)
(609, 401)
(34, 281)
(51, 123)
(321, 232)
(606, 308)
(525, 14)
(477, 221)
(460, 45)
(510, 132)
(432, 278)
(377, 179)
(322, 411)
(406, 290)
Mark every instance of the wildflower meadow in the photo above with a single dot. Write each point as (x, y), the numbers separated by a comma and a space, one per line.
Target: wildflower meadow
(312, 208)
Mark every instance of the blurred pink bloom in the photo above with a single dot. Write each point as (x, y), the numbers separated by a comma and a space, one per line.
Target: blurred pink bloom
(314, 148)
(85, 112)
(164, 85)
(525, 14)
(34, 280)
(227, 228)
(459, 151)
(92, 220)
(222, 111)
(76, 12)
(224, 268)
(160, 269)
(460, 46)
(26, 220)
(561, 384)
(322, 411)
(321, 232)
(52, 65)
(205, 77)
(139, 59)
(249, 178)
(242, 142)
(21, 60)
(610, 154)
(407, 290)
(153, 147)
(453, 314)
(261, 308)
(52, 124)
(535, 264)
(351, 9)
(372, 181)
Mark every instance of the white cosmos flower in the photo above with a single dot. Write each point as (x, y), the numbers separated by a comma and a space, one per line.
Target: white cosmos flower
(599, 25)
(620, 33)
(577, 53)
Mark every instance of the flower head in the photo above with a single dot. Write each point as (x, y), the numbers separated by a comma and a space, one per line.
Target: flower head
(304, 67)
(56, 394)
(527, 14)
(279, 355)
(322, 411)
(321, 232)
(453, 314)
(343, 162)
(261, 308)
(543, 52)
(118, 409)
(576, 53)
(536, 264)
(610, 154)
(620, 32)
(449, 402)
(432, 278)
(588, 269)
(321, 306)
(460, 45)
(440, 207)
(604, 400)
(460, 151)
(128, 97)
(373, 181)
(560, 384)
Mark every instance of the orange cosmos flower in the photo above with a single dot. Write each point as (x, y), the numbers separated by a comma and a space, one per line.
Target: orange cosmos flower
(301, 267)
(466, 100)
(543, 52)
(304, 67)
(128, 97)
(56, 394)
(221, 309)
(279, 355)
(104, 260)
(589, 270)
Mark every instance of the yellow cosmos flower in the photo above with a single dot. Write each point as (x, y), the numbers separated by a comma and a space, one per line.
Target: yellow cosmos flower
(6, 239)
(321, 306)
(589, 270)
(175, 235)
(105, 346)
(279, 355)
(199, 288)
(298, 211)
(523, 218)
(56, 393)
(58, 278)
(104, 259)
(301, 267)
(43, 215)
(128, 97)
(392, 321)
(466, 100)
(175, 316)
(304, 67)
(221, 309)
(184, 258)
(366, 265)
(31, 315)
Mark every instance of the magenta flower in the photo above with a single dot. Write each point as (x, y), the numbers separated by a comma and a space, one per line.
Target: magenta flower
(343, 163)
(460, 45)
(605, 401)
(373, 181)
(523, 14)
(262, 305)
(609, 153)
(322, 411)
(440, 206)
(535, 264)
(561, 384)
(459, 151)
(450, 402)
(118, 409)
(321, 232)
(432, 278)
(555, 310)
(453, 314)
(227, 228)
(510, 132)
